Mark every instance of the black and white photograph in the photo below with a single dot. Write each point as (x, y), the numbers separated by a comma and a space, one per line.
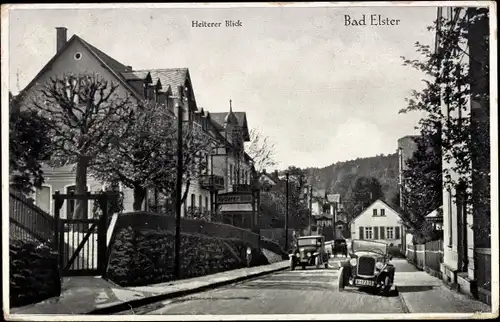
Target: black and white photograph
(262, 161)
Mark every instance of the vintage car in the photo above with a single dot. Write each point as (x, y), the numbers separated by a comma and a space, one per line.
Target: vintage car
(308, 251)
(368, 267)
(339, 246)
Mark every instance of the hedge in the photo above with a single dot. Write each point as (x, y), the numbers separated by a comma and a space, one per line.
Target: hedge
(34, 274)
(146, 256)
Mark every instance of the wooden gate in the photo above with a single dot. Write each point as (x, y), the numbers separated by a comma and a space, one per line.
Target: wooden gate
(81, 242)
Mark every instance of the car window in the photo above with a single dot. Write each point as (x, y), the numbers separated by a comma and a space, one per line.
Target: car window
(309, 242)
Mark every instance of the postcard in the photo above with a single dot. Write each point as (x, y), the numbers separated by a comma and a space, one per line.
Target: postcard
(250, 161)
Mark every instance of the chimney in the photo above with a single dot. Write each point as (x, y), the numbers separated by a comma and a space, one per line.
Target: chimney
(61, 37)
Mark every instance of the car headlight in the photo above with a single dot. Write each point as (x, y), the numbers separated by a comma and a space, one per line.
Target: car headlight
(353, 261)
(379, 265)
(308, 254)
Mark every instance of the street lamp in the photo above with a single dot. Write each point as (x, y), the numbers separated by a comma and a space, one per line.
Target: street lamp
(178, 188)
(286, 214)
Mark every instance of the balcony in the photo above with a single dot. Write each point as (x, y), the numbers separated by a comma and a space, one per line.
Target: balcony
(212, 182)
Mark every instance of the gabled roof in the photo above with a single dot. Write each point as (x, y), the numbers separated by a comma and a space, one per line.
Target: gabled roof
(173, 77)
(112, 65)
(241, 117)
(382, 201)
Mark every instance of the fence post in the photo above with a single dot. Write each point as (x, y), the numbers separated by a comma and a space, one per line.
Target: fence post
(425, 255)
(102, 234)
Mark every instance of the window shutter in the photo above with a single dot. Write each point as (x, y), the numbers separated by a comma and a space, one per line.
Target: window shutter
(382, 232)
(397, 233)
(361, 231)
(375, 232)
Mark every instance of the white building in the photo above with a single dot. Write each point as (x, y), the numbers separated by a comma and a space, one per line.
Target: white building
(378, 222)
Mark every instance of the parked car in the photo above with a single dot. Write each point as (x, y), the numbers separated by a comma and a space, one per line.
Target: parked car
(368, 267)
(309, 251)
(339, 246)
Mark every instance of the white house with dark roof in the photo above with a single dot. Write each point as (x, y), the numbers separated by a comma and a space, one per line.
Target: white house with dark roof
(378, 222)
(229, 164)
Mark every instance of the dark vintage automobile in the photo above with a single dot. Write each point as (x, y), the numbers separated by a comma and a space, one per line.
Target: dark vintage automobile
(339, 246)
(368, 267)
(309, 251)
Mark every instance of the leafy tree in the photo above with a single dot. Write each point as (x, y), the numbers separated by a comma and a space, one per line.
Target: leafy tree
(86, 114)
(422, 189)
(29, 145)
(261, 150)
(362, 193)
(455, 77)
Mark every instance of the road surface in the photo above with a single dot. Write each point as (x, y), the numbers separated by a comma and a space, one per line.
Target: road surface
(315, 291)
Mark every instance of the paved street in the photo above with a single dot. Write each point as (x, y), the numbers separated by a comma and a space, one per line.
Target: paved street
(314, 291)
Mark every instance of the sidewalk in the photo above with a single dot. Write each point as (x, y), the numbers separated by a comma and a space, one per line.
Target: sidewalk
(94, 295)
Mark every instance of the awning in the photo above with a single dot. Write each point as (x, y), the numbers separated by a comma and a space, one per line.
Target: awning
(235, 208)
(435, 215)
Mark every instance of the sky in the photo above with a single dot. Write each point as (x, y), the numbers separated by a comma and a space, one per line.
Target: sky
(321, 91)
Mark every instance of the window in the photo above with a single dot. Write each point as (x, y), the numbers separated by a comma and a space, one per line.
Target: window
(43, 198)
(390, 232)
(382, 212)
(368, 233)
(193, 200)
(382, 232)
(374, 212)
(231, 174)
(206, 204)
(200, 202)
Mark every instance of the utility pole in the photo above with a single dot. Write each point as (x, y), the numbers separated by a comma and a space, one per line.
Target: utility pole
(178, 188)
(334, 218)
(310, 208)
(286, 214)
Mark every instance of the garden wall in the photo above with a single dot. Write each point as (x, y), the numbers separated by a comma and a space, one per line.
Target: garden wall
(34, 274)
(141, 250)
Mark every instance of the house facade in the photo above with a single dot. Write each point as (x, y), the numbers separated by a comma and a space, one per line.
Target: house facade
(379, 222)
(466, 249)
(228, 163)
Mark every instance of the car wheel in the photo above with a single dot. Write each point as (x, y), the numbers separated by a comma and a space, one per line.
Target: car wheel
(386, 289)
(341, 279)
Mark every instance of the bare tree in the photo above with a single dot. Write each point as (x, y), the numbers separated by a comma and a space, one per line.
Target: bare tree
(145, 158)
(86, 114)
(261, 150)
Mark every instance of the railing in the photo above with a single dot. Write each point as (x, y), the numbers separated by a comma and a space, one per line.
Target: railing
(27, 221)
(212, 181)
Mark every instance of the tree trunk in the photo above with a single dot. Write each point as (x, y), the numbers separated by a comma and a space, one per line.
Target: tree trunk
(139, 195)
(82, 205)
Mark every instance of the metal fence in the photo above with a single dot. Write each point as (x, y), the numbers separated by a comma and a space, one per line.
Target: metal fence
(27, 221)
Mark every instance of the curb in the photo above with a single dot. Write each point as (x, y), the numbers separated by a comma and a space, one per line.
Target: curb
(123, 306)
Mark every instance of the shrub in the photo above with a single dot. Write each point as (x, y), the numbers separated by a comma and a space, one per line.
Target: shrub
(142, 257)
(34, 273)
